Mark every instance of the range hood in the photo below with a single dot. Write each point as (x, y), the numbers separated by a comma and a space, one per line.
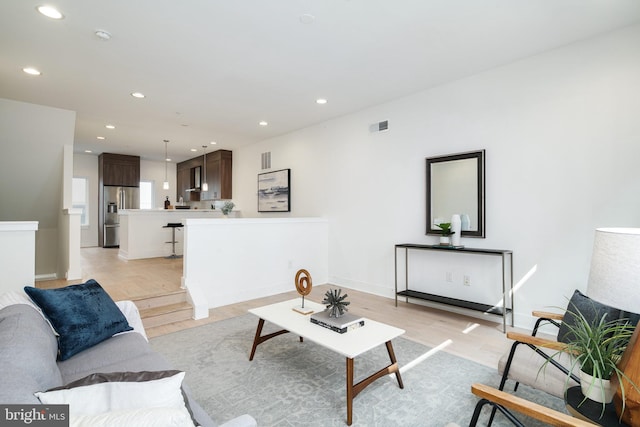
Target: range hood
(196, 180)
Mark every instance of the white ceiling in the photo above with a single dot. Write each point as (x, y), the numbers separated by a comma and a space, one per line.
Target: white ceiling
(212, 69)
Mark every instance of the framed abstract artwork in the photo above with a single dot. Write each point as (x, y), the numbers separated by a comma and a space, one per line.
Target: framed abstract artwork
(274, 191)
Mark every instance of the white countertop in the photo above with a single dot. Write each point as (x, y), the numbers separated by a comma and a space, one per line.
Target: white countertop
(18, 225)
(169, 211)
(252, 220)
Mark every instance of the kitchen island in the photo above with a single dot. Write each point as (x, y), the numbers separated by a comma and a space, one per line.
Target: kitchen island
(142, 234)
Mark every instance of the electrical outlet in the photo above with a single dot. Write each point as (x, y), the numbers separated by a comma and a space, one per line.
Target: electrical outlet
(467, 280)
(449, 277)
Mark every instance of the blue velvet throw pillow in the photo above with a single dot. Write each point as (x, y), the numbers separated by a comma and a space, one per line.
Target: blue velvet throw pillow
(84, 315)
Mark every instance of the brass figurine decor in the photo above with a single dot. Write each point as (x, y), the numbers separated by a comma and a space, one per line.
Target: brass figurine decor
(303, 286)
(336, 305)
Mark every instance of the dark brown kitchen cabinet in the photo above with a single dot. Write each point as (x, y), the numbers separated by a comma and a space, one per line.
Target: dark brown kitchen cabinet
(217, 175)
(119, 170)
(185, 184)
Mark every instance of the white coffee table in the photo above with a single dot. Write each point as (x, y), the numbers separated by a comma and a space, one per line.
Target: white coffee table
(350, 344)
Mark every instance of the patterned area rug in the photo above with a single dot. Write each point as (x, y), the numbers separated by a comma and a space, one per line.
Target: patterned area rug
(302, 384)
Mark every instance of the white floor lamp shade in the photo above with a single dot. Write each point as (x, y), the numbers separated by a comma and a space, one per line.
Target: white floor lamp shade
(614, 278)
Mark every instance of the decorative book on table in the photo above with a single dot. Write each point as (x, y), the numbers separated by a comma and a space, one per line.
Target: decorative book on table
(341, 324)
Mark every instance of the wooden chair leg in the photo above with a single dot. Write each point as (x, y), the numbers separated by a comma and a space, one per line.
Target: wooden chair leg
(504, 402)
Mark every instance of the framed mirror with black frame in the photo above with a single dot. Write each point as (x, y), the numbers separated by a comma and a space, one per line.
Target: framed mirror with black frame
(456, 185)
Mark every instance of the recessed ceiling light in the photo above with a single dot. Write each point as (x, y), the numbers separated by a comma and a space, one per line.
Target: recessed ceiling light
(137, 95)
(213, 143)
(103, 35)
(110, 126)
(100, 137)
(321, 101)
(32, 71)
(88, 151)
(194, 149)
(263, 123)
(50, 12)
(167, 159)
(307, 18)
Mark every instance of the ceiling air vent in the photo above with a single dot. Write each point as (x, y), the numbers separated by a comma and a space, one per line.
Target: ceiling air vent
(379, 127)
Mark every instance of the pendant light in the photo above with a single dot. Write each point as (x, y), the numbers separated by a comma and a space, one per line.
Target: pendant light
(205, 186)
(165, 184)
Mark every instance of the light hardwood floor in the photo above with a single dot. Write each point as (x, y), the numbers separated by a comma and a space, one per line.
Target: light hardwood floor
(478, 340)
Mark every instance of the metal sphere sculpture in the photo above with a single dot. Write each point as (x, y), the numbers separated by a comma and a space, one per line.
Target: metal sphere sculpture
(336, 305)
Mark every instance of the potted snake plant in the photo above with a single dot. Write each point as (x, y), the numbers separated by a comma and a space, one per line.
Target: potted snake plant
(597, 347)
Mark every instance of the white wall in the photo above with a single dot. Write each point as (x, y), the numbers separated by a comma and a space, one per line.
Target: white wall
(69, 237)
(230, 260)
(86, 166)
(562, 139)
(32, 140)
(17, 255)
(154, 171)
(69, 230)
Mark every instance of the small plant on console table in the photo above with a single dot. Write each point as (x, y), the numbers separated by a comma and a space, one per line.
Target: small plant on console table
(336, 305)
(227, 207)
(445, 239)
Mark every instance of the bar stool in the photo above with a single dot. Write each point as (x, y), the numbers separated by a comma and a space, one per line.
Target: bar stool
(173, 226)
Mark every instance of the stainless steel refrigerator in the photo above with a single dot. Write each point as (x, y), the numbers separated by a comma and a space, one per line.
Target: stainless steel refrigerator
(115, 199)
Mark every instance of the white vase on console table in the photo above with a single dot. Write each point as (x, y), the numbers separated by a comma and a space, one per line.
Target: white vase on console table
(456, 227)
(466, 222)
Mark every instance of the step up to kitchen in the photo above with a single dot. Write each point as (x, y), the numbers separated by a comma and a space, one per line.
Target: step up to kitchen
(161, 299)
(163, 315)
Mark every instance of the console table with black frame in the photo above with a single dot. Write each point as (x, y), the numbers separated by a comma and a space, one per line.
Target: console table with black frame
(507, 288)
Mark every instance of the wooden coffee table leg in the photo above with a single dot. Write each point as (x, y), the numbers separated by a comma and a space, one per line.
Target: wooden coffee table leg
(354, 389)
(258, 339)
(350, 394)
(394, 363)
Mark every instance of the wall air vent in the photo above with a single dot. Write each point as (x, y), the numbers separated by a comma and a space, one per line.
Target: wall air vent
(379, 127)
(266, 160)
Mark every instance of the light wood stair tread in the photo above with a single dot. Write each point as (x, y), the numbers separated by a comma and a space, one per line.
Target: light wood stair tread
(160, 300)
(159, 294)
(166, 314)
(170, 308)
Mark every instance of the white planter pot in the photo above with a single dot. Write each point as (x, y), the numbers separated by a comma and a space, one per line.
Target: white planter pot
(445, 240)
(593, 388)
